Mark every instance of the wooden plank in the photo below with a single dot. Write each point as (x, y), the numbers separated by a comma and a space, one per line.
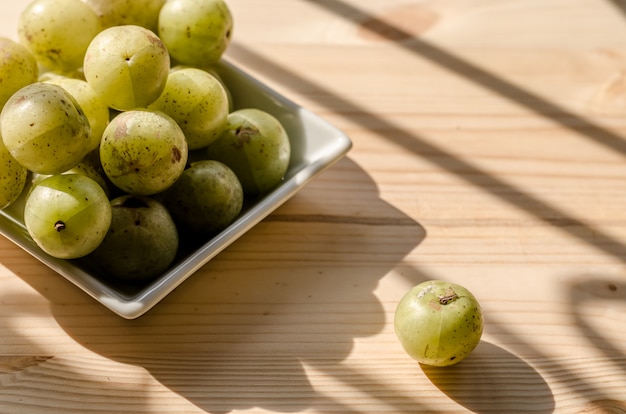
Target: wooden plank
(488, 150)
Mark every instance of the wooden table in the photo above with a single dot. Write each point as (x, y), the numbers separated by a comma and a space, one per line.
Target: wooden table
(489, 150)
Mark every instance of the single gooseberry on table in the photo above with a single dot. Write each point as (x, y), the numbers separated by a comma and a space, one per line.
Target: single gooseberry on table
(438, 323)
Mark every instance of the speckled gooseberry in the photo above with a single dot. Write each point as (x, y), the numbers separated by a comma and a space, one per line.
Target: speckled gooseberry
(255, 145)
(205, 199)
(141, 243)
(67, 215)
(438, 323)
(143, 152)
(45, 129)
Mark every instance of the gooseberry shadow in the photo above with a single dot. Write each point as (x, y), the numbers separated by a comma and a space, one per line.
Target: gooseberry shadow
(492, 379)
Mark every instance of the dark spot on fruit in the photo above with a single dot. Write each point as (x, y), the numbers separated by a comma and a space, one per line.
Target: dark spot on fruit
(612, 287)
(244, 135)
(176, 155)
(59, 226)
(155, 40)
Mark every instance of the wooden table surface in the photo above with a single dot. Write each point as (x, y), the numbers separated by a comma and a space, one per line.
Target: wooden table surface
(489, 150)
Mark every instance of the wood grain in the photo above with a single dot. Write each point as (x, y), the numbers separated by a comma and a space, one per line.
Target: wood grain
(489, 143)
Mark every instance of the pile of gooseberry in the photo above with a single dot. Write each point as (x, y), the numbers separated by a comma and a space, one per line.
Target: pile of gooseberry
(104, 102)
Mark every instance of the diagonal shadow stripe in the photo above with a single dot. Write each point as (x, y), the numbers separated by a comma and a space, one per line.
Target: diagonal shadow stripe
(478, 75)
(620, 5)
(463, 169)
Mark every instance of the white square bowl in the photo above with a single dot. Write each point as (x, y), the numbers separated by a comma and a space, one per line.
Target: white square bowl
(315, 146)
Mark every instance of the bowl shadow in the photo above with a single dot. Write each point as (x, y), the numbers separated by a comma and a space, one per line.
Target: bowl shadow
(241, 332)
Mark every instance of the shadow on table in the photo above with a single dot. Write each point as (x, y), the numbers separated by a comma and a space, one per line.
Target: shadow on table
(251, 327)
(600, 290)
(493, 380)
(604, 293)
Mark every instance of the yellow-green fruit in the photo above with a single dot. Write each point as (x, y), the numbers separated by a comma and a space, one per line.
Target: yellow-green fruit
(96, 111)
(196, 32)
(127, 66)
(12, 177)
(438, 323)
(198, 102)
(143, 152)
(58, 32)
(142, 241)
(255, 145)
(143, 13)
(45, 129)
(67, 215)
(205, 199)
(18, 68)
(86, 167)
